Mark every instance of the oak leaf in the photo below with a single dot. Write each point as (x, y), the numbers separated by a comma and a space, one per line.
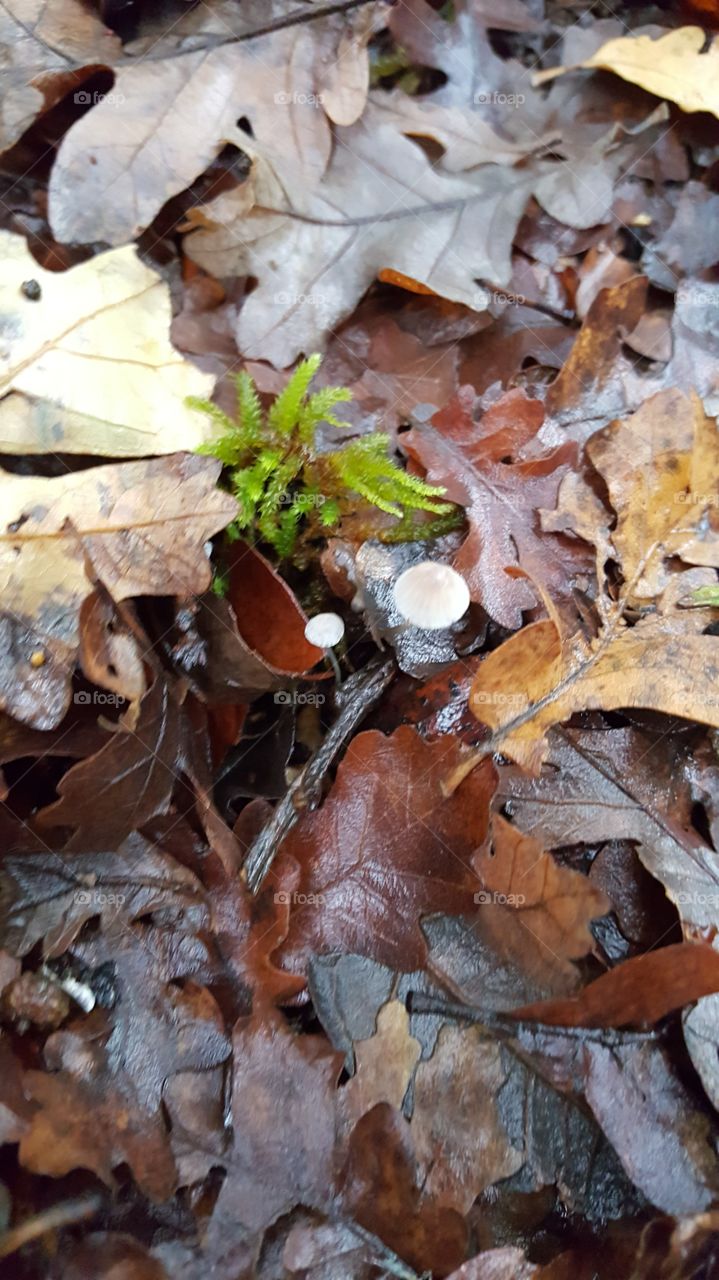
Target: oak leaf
(674, 66)
(385, 848)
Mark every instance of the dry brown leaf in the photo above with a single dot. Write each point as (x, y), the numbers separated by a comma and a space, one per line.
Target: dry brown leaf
(555, 904)
(143, 525)
(672, 67)
(167, 119)
(661, 467)
(87, 367)
(539, 678)
(310, 247)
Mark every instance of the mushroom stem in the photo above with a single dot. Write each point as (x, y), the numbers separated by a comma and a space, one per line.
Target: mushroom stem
(331, 657)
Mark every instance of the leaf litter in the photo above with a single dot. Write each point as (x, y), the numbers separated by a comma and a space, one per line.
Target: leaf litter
(398, 959)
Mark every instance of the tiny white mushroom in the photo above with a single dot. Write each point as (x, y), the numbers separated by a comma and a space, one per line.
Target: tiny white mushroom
(324, 630)
(431, 595)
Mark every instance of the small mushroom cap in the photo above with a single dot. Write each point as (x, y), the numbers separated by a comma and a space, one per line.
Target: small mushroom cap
(324, 630)
(431, 595)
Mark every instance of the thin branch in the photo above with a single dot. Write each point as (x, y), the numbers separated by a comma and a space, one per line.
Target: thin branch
(279, 24)
(59, 1215)
(358, 695)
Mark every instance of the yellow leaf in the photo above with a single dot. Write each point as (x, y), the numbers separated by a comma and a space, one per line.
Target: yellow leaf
(86, 365)
(672, 67)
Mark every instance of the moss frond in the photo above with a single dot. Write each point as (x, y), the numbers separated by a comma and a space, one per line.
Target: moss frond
(290, 492)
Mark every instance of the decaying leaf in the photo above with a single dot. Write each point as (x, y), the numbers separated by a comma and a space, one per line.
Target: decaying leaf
(459, 1140)
(144, 526)
(86, 365)
(50, 896)
(659, 469)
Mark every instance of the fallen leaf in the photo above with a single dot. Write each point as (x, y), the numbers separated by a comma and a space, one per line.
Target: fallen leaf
(616, 785)
(460, 1144)
(87, 367)
(382, 1192)
(554, 904)
(50, 896)
(660, 466)
(385, 1064)
(144, 526)
(314, 262)
(155, 1029)
(642, 990)
(384, 849)
(538, 678)
(248, 928)
(130, 780)
(44, 49)
(284, 1128)
(481, 467)
(269, 617)
(674, 66)
(507, 1263)
(660, 1134)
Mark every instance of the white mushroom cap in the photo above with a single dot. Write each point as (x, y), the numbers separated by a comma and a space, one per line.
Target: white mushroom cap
(324, 630)
(431, 595)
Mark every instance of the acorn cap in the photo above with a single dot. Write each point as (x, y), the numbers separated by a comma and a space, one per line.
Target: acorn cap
(324, 630)
(431, 595)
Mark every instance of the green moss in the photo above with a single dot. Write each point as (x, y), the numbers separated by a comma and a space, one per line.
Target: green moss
(290, 493)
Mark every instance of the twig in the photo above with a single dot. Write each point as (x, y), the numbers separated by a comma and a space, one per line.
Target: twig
(383, 1256)
(505, 1026)
(59, 1215)
(357, 697)
(296, 19)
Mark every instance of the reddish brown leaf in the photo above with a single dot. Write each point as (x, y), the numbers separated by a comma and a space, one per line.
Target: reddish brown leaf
(269, 618)
(643, 989)
(481, 466)
(385, 848)
(382, 1193)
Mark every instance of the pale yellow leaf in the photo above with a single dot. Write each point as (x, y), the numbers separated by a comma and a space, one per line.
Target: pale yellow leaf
(88, 366)
(672, 67)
